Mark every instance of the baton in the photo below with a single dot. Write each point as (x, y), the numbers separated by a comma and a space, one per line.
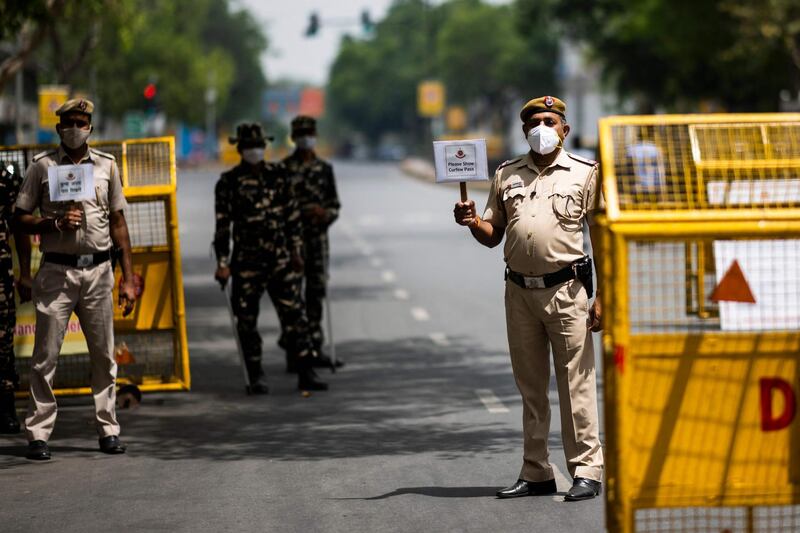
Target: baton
(228, 293)
(329, 318)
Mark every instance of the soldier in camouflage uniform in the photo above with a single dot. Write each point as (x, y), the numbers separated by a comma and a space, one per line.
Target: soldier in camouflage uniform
(10, 182)
(255, 198)
(315, 189)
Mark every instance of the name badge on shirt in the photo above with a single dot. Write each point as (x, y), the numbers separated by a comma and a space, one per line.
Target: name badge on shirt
(71, 182)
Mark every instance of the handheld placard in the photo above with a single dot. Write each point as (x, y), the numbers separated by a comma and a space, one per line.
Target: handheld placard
(460, 161)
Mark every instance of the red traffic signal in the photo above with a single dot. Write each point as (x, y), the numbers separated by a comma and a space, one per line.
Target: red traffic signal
(150, 91)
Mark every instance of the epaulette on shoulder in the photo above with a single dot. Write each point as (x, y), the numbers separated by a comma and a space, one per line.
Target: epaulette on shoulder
(95, 151)
(579, 159)
(508, 162)
(40, 155)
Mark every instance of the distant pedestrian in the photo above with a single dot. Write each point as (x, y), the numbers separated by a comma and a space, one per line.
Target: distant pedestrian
(10, 182)
(539, 202)
(76, 275)
(315, 190)
(255, 207)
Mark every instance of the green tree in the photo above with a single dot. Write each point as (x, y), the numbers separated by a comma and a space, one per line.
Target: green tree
(675, 54)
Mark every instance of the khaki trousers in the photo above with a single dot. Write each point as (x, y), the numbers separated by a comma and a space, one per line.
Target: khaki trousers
(57, 292)
(538, 319)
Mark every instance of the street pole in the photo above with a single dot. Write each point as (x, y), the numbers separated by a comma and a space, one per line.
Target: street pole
(211, 116)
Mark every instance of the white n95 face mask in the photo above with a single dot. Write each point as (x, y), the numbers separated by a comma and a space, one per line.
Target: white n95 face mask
(253, 155)
(306, 142)
(74, 138)
(543, 139)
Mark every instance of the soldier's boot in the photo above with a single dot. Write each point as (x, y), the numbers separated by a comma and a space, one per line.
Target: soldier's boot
(307, 379)
(9, 425)
(323, 360)
(258, 382)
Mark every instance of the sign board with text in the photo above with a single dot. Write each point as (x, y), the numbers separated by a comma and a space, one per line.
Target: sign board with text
(458, 161)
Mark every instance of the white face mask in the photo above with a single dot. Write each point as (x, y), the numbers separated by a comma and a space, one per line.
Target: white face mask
(74, 138)
(253, 155)
(306, 142)
(543, 139)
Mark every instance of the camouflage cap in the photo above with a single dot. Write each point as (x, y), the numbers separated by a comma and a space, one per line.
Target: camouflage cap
(250, 133)
(79, 105)
(303, 122)
(543, 103)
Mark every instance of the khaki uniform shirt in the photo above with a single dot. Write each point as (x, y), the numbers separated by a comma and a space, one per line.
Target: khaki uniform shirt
(542, 211)
(94, 235)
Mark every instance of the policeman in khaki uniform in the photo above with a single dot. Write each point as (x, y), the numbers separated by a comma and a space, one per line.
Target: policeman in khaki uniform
(76, 274)
(539, 202)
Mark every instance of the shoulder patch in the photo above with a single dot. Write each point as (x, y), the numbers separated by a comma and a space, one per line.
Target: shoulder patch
(102, 154)
(579, 159)
(509, 162)
(40, 155)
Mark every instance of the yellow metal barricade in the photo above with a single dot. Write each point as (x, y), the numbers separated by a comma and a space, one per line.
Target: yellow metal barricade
(700, 258)
(151, 344)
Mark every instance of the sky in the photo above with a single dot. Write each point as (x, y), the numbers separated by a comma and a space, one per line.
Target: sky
(308, 59)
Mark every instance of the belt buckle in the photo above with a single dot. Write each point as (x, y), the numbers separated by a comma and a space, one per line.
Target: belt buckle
(85, 261)
(533, 282)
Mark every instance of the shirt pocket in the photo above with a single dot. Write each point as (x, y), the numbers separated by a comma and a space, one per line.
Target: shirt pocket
(567, 204)
(512, 201)
(101, 195)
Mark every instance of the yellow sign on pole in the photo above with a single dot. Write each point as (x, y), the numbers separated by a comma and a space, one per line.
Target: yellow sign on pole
(51, 97)
(430, 98)
(456, 118)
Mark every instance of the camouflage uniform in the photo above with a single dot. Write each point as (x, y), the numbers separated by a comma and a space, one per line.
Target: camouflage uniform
(9, 188)
(266, 229)
(314, 185)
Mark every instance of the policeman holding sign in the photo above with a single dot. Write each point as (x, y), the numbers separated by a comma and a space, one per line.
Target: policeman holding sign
(539, 202)
(80, 216)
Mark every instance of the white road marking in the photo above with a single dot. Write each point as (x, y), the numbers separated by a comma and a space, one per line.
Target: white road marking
(439, 339)
(420, 314)
(371, 221)
(490, 401)
(376, 262)
(562, 483)
(401, 294)
(388, 276)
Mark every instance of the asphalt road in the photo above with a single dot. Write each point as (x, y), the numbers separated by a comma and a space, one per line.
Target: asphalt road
(417, 433)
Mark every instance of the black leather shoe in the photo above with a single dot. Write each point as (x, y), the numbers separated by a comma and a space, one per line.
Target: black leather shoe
(111, 445)
(528, 488)
(583, 489)
(38, 450)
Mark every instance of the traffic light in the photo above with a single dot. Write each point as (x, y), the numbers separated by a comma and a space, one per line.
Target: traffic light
(313, 25)
(150, 91)
(366, 22)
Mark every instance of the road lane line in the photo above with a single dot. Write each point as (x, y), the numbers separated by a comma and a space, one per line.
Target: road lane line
(401, 294)
(439, 339)
(490, 401)
(420, 314)
(388, 276)
(562, 483)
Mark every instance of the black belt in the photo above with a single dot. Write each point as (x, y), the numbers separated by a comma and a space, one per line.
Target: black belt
(542, 282)
(81, 261)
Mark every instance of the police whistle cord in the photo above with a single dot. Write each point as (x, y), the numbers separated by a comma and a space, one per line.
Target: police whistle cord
(228, 292)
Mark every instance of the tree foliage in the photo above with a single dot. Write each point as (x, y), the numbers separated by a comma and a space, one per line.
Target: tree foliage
(116, 47)
(675, 54)
(483, 54)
